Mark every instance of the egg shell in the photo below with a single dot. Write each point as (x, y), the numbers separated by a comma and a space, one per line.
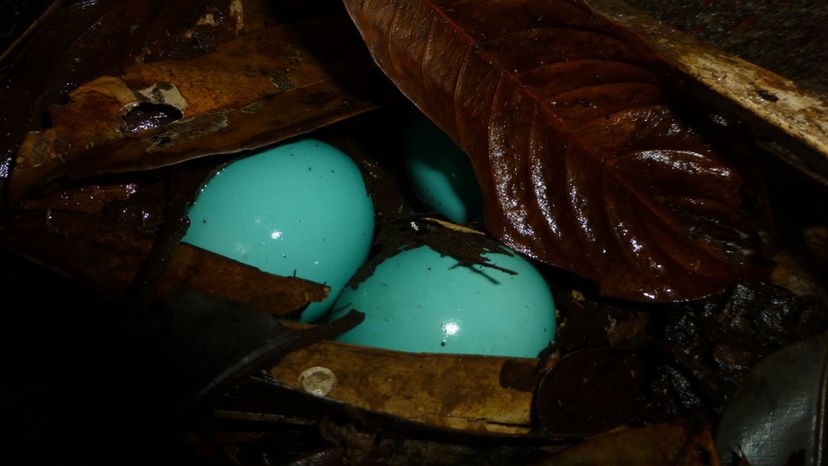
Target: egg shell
(297, 209)
(440, 172)
(420, 301)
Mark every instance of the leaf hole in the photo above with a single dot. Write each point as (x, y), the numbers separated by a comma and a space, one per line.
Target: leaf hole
(148, 116)
(767, 95)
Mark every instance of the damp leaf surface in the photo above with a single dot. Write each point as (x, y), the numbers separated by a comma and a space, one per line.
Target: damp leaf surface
(584, 160)
(242, 75)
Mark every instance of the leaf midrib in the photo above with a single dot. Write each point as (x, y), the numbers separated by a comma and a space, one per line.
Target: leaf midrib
(552, 117)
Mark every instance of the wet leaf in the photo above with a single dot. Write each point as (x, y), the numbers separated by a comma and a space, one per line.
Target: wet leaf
(582, 157)
(192, 79)
(238, 90)
(718, 340)
(79, 42)
(788, 119)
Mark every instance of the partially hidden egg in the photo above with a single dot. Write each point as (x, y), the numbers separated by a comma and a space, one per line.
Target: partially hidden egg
(420, 301)
(299, 209)
(440, 172)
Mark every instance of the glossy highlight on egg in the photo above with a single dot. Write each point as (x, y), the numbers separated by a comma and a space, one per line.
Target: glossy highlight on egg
(298, 209)
(420, 301)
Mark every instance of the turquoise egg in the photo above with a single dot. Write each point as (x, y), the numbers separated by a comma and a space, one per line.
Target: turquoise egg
(440, 172)
(419, 301)
(298, 209)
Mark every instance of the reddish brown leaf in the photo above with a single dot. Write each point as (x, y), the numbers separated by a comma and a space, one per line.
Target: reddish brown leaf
(789, 120)
(583, 162)
(244, 90)
(192, 267)
(79, 41)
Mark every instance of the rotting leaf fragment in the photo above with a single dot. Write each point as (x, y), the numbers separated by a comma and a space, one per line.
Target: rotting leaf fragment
(154, 114)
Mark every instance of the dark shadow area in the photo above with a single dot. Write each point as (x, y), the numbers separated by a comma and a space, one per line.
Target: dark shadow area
(70, 392)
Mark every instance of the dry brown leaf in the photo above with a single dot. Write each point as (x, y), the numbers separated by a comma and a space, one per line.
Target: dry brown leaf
(478, 393)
